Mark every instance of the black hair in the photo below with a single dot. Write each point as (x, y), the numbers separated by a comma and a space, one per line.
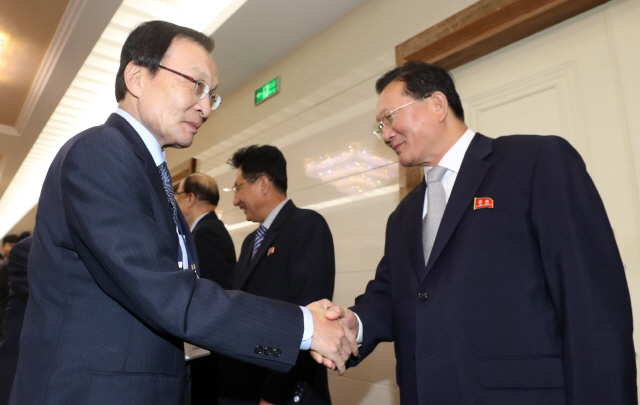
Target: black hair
(201, 189)
(23, 235)
(147, 45)
(422, 79)
(11, 238)
(265, 160)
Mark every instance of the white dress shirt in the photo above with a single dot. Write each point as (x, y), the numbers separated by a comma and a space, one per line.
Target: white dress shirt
(452, 160)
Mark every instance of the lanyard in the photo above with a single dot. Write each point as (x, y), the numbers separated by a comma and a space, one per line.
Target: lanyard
(191, 262)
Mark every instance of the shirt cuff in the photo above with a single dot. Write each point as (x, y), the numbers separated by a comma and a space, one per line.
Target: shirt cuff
(308, 329)
(359, 338)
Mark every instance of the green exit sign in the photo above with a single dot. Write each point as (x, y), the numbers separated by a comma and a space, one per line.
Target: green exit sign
(268, 90)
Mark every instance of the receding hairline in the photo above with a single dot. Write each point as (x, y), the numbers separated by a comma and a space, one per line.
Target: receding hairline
(202, 179)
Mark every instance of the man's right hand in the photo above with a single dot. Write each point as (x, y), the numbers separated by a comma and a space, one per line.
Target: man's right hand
(332, 342)
(345, 315)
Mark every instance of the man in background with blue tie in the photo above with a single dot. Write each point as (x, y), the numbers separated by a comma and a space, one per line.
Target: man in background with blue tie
(290, 257)
(113, 271)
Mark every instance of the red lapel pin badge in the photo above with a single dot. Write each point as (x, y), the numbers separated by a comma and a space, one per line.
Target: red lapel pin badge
(271, 250)
(482, 202)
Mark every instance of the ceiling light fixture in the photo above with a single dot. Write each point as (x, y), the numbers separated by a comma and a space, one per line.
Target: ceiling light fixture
(80, 108)
(355, 170)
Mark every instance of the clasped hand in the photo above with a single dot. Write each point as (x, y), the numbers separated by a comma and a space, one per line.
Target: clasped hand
(334, 335)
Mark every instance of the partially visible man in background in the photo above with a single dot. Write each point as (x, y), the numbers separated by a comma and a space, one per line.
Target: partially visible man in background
(13, 316)
(197, 196)
(290, 257)
(7, 243)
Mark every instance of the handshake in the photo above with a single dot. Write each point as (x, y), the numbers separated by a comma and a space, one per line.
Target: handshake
(335, 330)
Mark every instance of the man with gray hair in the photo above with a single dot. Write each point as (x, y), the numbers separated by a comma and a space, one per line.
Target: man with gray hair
(197, 196)
(113, 270)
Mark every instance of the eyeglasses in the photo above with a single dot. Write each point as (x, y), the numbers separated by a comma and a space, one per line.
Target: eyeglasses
(236, 187)
(389, 119)
(201, 89)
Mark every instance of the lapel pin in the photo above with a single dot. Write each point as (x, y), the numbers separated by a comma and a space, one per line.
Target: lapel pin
(482, 202)
(271, 250)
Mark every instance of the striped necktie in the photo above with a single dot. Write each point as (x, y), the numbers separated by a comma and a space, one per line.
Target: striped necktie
(168, 188)
(259, 237)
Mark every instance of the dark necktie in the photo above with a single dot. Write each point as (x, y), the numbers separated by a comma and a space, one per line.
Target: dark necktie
(436, 204)
(259, 237)
(168, 188)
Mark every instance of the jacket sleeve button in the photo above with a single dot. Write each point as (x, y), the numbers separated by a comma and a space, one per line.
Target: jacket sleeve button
(268, 351)
(258, 350)
(277, 352)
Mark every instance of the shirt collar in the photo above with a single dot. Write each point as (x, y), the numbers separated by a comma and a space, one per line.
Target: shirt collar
(267, 222)
(149, 140)
(452, 160)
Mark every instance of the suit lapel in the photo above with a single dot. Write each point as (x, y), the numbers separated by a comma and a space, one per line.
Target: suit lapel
(269, 237)
(244, 261)
(150, 168)
(472, 172)
(153, 175)
(413, 225)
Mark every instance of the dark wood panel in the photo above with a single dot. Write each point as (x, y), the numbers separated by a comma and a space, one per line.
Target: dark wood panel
(183, 170)
(487, 26)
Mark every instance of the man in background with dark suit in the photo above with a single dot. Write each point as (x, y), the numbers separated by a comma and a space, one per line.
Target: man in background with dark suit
(197, 196)
(114, 288)
(14, 314)
(290, 257)
(501, 282)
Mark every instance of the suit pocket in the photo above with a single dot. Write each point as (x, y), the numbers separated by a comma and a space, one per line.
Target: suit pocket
(521, 372)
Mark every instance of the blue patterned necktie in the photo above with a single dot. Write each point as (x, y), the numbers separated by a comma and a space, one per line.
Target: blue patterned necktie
(259, 237)
(168, 188)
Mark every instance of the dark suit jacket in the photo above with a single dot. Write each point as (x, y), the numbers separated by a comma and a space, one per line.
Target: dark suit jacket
(108, 307)
(12, 325)
(295, 263)
(525, 303)
(217, 257)
(216, 252)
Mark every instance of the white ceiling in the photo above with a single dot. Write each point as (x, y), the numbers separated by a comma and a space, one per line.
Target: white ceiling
(263, 31)
(74, 88)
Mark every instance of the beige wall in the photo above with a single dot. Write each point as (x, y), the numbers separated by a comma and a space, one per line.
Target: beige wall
(327, 101)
